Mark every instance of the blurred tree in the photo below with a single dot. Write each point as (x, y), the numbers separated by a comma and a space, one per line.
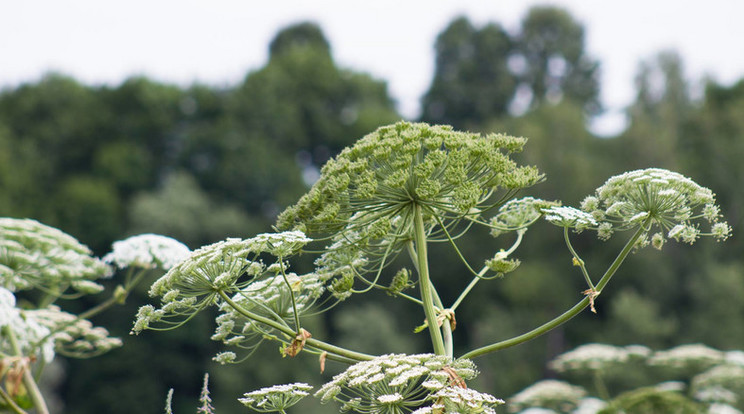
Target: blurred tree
(180, 209)
(286, 120)
(660, 112)
(91, 206)
(711, 148)
(304, 35)
(552, 62)
(472, 81)
(61, 117)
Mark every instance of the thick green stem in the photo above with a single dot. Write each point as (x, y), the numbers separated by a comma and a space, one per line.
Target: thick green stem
(425, 283)
(566, 316)
(28, 378)
(334, 352)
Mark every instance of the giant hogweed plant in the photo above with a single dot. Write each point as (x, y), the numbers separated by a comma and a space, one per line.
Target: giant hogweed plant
(393, 193)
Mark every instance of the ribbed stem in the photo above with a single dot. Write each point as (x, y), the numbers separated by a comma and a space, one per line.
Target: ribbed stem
(425, 283)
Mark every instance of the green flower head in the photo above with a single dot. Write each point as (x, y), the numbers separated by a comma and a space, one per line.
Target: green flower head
(390, 171)
(367, 198)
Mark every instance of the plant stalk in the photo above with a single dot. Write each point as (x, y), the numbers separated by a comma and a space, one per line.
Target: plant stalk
(28, 378)
(566, 316)
(425, 283)
(334, 352)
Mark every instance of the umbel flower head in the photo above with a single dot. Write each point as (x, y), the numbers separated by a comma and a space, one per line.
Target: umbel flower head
(223, 267)
(455, 400)
(395, 383)
(388, 172)
(34, 255)
(366, 198)
(147, 251)
(549, 394)
(276, 398)
(518, 214)
(599, 357)
(30, 336)
(74, 337)
(656, 198)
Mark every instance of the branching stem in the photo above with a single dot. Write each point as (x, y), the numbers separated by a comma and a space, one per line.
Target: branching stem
(566, 316)
(334, 352)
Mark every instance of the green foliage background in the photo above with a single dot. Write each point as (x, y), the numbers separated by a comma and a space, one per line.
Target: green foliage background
(202, 163)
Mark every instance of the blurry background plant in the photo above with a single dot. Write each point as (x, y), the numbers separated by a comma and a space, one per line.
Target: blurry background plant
(634, 379)
(105, 162)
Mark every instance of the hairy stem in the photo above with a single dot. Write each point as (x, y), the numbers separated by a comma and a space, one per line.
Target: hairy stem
(425, 283)
(566, 316)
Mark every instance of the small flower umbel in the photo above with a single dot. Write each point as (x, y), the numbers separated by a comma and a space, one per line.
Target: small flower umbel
(34, 255)
(276, 399)
(395, 383)
(211, 272)
(147, 251)
(455, 400)
(656, 198)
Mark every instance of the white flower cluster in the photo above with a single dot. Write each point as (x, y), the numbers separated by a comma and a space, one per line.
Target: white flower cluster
(35, 255)
(148, 251)
(592, 357)
(517, 214)
(720, 384)
(276, 398)
(281, 244)
(694, 357)
(722, 409)
(657, 197)
(371, 386)
(569, 217)
(550, 394)
(27, 332)
(226, 266)
(72, 336)
(455, 400)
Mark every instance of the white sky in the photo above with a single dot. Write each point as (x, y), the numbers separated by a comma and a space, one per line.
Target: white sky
(217, 42)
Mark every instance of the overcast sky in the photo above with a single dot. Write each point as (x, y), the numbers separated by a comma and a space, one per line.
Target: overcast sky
(217, 42)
